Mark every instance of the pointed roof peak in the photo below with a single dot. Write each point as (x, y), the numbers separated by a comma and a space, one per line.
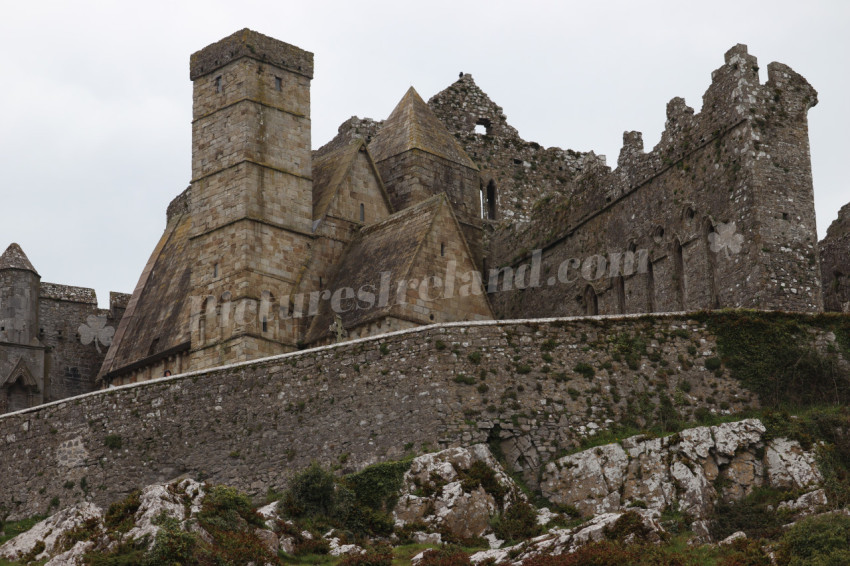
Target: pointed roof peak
(412, 125)
(15, 258)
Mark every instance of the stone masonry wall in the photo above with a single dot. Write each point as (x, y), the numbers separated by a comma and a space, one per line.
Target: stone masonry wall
(534, 387)
(835, 263)
(73, 362)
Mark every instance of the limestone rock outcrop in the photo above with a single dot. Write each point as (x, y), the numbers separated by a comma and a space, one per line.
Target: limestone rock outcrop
(46, 538)
(688, 471)
(563, 541)
(57, 537)
(457, 491)
(620, 489)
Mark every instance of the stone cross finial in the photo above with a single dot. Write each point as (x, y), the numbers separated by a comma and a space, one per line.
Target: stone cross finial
(338, 329)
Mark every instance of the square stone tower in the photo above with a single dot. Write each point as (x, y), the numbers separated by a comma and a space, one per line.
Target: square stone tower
(251, 205)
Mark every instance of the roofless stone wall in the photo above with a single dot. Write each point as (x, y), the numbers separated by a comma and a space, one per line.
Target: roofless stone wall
(533, 387)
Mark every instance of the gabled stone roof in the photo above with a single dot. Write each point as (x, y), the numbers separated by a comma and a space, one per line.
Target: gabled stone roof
(388, 246)
(412, 125)
(329, 171)
(21, 370)
(159, 308)
(15, 258)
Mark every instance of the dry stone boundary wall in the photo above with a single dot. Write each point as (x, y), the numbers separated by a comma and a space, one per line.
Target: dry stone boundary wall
(530, 388)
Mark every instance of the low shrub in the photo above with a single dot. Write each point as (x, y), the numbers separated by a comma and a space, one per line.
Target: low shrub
(119, 516)
(224, 508)
(756, 515)
(519, 522)
(310, 493)
(584, 369)
(448, 555)
(628, 528)
(482, 475)
(379, 556)
(172, 545)
(816, 541)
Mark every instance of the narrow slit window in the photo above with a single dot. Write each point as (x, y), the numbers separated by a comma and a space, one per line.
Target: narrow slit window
(278, 84)
(442, 249)
(215, 270)
(362, 212)
(218, 87)
(265, 324)
(491, 200)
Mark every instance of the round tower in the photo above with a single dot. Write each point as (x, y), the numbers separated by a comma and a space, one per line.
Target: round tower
(19, 289)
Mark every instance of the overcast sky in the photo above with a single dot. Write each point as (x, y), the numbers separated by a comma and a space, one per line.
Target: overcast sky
(95, 97)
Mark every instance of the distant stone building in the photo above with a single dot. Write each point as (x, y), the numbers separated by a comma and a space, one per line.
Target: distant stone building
(53, 338)
(443, 213)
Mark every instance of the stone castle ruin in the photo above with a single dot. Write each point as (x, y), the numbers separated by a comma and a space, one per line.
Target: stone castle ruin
(440, 213)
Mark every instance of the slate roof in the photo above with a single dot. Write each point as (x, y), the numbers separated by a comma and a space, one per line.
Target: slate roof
(330, 170)
(386, 246)
(15, 258)
(159, 307)
(412, 125)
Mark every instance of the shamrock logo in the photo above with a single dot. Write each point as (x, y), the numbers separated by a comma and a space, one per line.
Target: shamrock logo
(725, 239)
(96, 331)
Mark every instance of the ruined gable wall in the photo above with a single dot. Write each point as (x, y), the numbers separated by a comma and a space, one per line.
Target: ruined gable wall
(522, 172)
(253, 425)
(835, 263)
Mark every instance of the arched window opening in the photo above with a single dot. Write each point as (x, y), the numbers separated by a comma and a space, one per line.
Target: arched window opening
(18, 397)
(679, 274)
(591, 303)
(488, 201)
(202, 328)
(711, 267)
(620, 289)
(268, 306)
(650, 287)
(362, 212)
